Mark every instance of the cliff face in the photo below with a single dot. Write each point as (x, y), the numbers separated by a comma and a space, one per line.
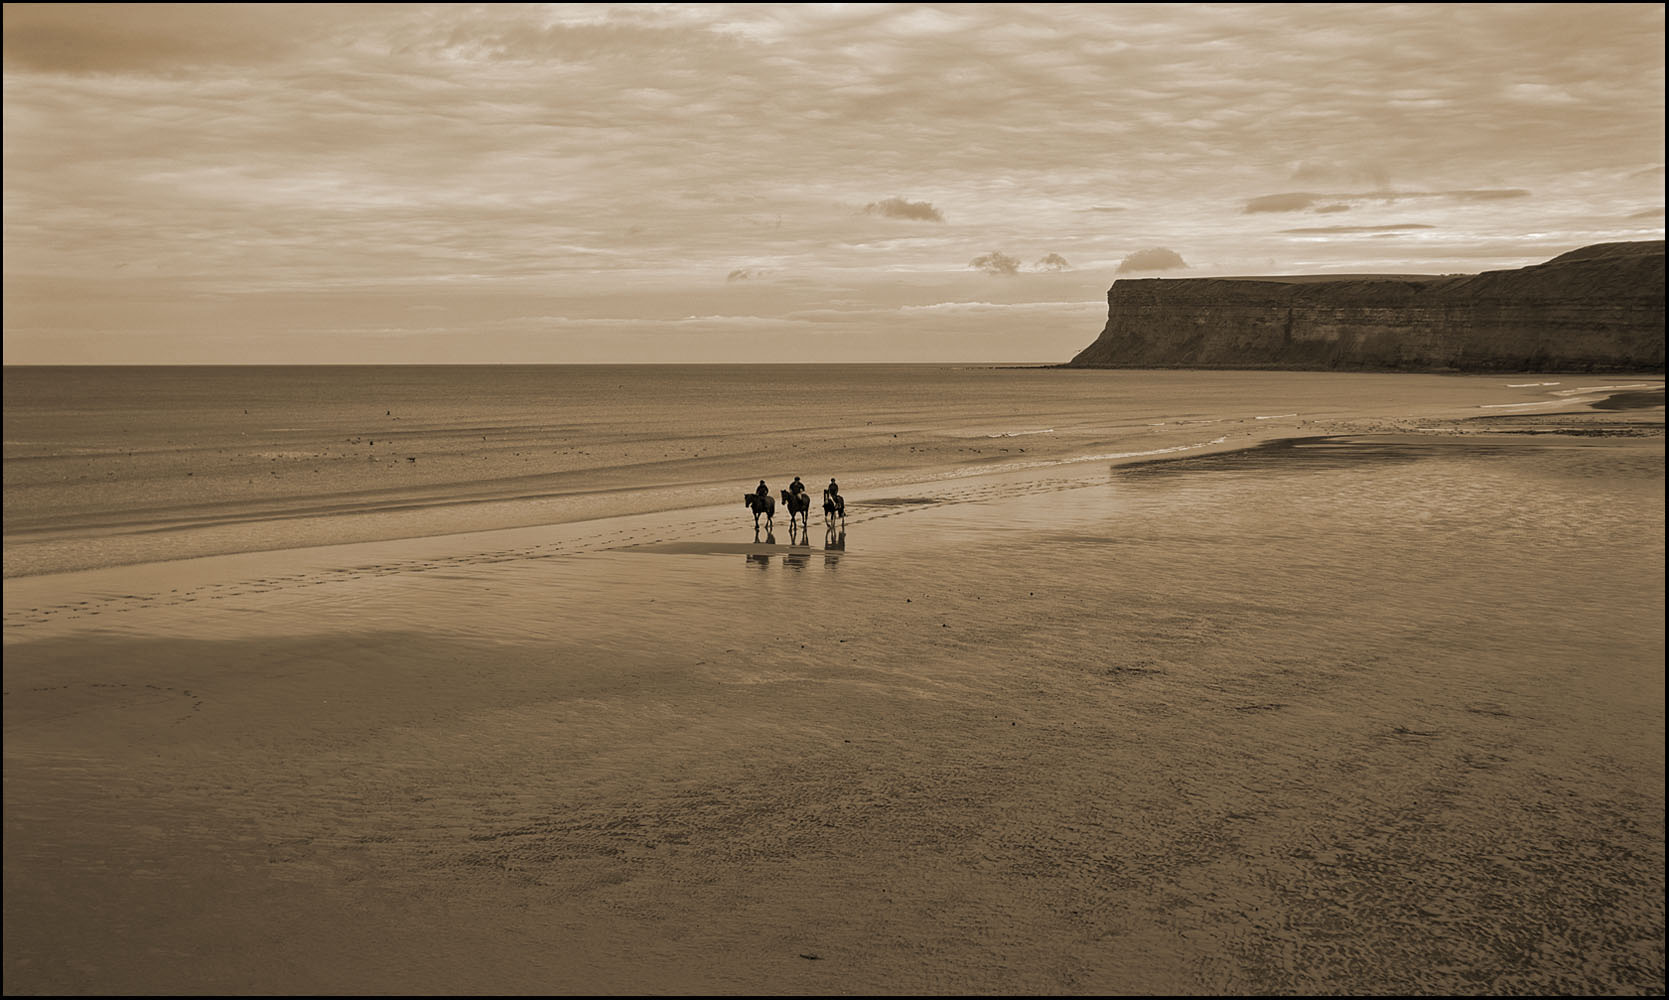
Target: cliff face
(1599, 308)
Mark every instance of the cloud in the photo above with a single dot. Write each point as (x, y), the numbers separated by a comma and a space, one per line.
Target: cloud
(1052, 262)
(1320, 230)
(1298, 201)
(1294, 202)
(1155, 259)
(959, 307)
(996, 262)
(621, 154)
(1487, 195)
(898, 208)
(745, 273)
(160, 39)
(1355, 172)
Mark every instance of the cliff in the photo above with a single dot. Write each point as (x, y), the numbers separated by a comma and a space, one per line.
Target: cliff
(1599, 308)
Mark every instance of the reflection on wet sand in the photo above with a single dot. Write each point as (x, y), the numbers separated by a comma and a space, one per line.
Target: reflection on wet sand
(762, 559)
(834, 543)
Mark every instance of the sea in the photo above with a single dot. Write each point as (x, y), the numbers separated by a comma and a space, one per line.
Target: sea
(116, 465)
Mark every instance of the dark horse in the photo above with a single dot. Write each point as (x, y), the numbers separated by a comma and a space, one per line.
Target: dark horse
(760, 504)
(833, 506)
(798, 506)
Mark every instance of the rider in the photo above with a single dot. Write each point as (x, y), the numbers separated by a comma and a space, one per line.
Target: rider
(763, 490)
(834, 488)
(796, 487)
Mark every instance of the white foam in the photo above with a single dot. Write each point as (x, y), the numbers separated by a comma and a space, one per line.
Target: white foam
(1277, 416)
(1156, 451)
(986, 470)
(1610, 388)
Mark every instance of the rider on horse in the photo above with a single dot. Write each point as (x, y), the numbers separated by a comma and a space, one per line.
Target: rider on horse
(797, 499)
(832, 503)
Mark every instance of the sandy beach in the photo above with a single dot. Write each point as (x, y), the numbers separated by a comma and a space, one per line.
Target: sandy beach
(1371, 706)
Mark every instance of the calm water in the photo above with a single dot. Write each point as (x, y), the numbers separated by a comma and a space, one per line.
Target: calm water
(115, 465)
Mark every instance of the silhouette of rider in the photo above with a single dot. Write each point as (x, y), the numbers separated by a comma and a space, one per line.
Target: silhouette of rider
(763, 490)
(834, 488)
(796, 487)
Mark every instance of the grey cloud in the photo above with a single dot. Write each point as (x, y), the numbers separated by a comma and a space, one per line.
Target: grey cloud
(1310, 172)
(158, 38)
(1053, 262)
(618, 37)
(1294, 202)
(898, 208)
(996, 262)
(1318, 230)
(1154, 259)
(1483, 195)
(745, 273)
(1298, 201)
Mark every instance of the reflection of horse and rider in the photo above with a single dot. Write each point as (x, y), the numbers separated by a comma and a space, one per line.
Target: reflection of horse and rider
(797, 498)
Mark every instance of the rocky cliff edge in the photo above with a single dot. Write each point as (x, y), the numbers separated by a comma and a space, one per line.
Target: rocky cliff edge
(1598, 308)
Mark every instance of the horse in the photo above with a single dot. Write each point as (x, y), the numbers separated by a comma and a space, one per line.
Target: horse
(760, 503)
(833, 505)
(798, 505)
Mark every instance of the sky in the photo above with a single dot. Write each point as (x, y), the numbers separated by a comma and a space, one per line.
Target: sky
(611, 183)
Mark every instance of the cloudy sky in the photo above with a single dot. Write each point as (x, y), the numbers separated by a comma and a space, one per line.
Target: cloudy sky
(774, 182)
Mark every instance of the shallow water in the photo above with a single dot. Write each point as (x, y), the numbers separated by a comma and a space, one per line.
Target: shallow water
(105, 466)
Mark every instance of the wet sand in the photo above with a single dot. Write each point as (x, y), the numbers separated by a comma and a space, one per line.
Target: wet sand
(1375, 711)
(100, 473)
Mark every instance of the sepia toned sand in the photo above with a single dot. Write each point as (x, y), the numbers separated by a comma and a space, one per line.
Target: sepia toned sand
(1380, 710)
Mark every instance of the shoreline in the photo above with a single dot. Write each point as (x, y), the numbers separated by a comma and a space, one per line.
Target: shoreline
(117, 586)
(1368, 370)
(217, 530)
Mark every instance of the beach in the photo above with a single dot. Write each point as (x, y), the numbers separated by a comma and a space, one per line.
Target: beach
(1362, 693)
